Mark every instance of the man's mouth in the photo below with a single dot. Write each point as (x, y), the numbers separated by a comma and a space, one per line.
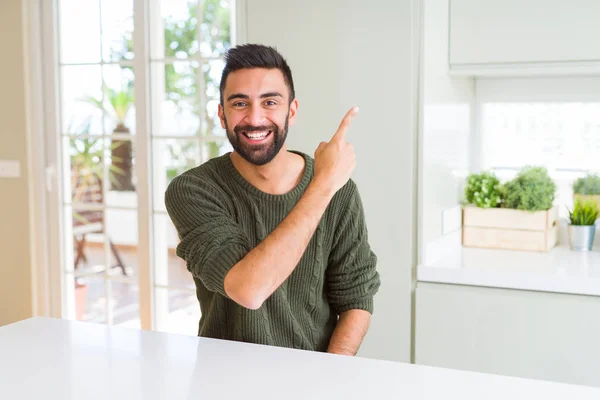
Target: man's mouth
(257, 136)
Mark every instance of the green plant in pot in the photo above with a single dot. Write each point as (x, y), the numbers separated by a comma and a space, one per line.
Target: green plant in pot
(118, 104)
(582, 228)
(531, 190)
(483, 190)
(587, 188)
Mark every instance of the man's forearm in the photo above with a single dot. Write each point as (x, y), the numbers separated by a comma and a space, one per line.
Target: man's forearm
(349, 332)
(252, 280)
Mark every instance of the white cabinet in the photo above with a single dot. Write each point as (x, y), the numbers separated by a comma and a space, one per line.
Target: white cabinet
(509, 332)
(517, 36)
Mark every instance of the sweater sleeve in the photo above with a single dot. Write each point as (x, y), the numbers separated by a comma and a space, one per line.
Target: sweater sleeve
(352, 278)
(211, 242)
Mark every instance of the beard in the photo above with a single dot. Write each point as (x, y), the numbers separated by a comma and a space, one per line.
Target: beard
(257, 154)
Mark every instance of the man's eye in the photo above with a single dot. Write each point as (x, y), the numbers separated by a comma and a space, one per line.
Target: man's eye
(239, 104)
(271, 103)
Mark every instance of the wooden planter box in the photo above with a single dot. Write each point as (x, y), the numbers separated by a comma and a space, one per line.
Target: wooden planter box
(503, 228)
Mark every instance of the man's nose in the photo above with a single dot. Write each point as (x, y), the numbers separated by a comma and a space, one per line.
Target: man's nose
(256, 116)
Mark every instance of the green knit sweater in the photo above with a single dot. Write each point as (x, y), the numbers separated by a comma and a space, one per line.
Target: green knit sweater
(220, 217)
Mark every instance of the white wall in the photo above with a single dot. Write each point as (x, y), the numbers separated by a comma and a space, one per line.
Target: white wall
(347, 52)
(447, 127)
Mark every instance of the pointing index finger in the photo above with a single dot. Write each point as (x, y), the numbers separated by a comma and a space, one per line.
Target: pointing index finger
(340, 134)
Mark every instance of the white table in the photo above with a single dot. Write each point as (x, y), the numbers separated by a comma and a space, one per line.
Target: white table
(44, 358)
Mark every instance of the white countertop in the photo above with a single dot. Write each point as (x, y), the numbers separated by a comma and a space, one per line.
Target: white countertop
(43, 358)
(560, 270)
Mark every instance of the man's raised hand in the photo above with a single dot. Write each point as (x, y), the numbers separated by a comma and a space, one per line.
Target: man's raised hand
(335, 160)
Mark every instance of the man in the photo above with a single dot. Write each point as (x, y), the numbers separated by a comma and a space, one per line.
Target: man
(276, 241)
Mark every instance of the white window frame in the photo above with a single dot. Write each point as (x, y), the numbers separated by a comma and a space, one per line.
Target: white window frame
(37, 174)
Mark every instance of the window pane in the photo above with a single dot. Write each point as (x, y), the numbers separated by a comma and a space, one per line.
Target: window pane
(89, 254)
(216, 149)
(81, 94)
(121, 172)
(79, 31)
(122, 234)
(86, 298)
(215, 30)
(84, 241)
(189, 103)
(125, 304)
(117, 30)
(119, 106)
(84, 170)
(558, 135)
(172, 157)
(212, 78)
(563, 137)
(178, 34)
(177, 311)
(183, 37)
(178, 105)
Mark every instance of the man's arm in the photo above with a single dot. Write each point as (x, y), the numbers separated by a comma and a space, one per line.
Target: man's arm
(349, 332)
(254, 278)
(352, 278)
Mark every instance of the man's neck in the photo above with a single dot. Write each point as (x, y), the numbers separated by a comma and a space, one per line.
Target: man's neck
(278, 176)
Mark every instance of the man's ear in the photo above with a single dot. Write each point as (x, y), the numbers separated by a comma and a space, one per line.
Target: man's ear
(293, 111)
(222, 116)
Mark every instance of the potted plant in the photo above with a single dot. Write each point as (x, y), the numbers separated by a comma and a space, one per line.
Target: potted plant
(517, 215)
(531, 190)
(582, 226)
(483, 190)
(119, 104)
(587, 188)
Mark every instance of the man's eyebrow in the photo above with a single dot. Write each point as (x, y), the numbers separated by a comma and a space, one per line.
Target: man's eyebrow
(238, 96)
(271, 94)
(246, 97)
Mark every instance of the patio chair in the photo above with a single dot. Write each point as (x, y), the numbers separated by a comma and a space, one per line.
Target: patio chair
(87, 189)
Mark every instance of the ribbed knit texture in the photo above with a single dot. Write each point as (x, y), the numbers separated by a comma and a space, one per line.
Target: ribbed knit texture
(220, 217)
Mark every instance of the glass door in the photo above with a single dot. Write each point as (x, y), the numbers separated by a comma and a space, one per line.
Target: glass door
(136, 83)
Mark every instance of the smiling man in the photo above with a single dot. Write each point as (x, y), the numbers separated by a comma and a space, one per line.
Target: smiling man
(276, 241)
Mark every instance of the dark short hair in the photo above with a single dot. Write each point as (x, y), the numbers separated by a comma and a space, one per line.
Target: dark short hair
(256, 56)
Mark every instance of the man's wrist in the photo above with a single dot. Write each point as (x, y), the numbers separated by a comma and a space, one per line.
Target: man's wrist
(322, 188)
(341, 351)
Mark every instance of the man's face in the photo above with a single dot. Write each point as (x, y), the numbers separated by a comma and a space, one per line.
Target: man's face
(256, 113)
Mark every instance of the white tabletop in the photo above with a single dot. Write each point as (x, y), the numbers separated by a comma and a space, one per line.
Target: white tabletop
(43, 358)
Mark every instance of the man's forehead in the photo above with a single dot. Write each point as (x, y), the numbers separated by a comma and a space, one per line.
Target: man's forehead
(255, 81)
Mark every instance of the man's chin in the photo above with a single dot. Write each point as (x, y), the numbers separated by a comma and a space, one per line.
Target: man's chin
(257, 157)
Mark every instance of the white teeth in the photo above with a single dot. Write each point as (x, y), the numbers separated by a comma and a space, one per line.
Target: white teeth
(257, 136)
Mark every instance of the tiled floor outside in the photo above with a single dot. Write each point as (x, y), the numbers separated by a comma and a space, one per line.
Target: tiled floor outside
(183, 308)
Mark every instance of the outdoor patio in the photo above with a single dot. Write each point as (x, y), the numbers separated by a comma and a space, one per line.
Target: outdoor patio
(183, 307)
